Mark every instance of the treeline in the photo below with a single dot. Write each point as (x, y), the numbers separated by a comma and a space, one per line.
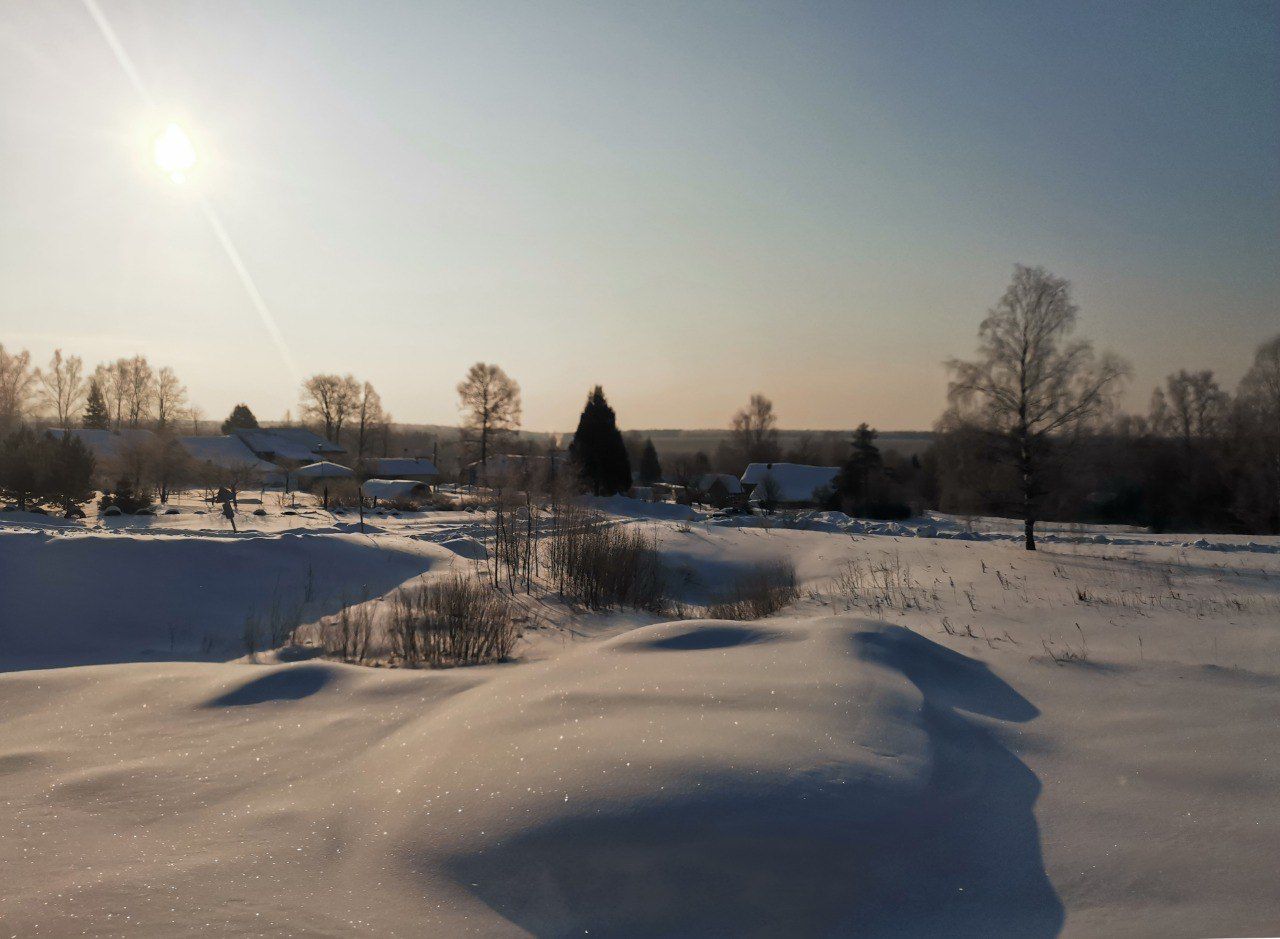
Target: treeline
(1200, 459)
(1033, 432)
(125, 393)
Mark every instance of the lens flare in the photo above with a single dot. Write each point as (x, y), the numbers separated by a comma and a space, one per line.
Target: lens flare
(173, 153)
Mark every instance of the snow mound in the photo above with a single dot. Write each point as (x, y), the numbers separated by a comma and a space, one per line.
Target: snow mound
(783, 793)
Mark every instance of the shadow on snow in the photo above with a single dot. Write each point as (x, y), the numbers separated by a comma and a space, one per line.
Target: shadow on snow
(285, 684)
(836, 852)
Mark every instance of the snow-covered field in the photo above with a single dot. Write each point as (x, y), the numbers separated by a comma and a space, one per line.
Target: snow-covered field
(945, 735)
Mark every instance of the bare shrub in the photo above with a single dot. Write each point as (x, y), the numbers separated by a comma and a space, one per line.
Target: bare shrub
(884, 582)
(759, 592)
(1065, 653)
(346, 635)
(516, 528)
(252, 634)
(454, 621)
(601, 565)
(343, 493)
(283, 620)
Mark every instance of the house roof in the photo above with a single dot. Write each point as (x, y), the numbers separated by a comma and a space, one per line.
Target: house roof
(108, 444)
(393, 488)
(402, 466)
(731, 483)
(323, 470)
(795, 481)
(228, 452)
(287, 443)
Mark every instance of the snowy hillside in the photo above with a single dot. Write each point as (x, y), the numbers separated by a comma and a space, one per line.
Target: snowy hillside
(944, 735)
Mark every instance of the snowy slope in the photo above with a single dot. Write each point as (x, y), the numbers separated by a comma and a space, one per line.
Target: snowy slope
(908, 760)
(94, 598)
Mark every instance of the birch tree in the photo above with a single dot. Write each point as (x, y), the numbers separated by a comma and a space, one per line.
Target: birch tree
(63, 387)
(1031, 383)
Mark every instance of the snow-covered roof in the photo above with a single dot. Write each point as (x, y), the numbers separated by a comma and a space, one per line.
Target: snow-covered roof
(401, 467)
(393, 488)
(502, 467)
(287, 443)
(323, 470)
(228, 452)
(795, 482)
(108, 444)
(731, 483)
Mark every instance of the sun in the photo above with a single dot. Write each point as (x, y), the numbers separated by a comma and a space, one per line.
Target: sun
(173, 153)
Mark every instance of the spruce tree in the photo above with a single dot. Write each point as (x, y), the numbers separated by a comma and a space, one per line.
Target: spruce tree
(96, 416)
(862, 464)
(241, 418)
(598, 449)
(650, 468)
(20, 471)
(70, 477)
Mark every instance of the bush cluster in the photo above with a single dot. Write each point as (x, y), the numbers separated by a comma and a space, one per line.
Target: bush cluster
(762, 591)
(454, 621)
(601, 565)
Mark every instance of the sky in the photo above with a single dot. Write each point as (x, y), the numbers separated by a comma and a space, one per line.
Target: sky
(684, 202)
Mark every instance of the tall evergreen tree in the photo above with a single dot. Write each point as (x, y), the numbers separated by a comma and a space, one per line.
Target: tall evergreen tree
(70, 476)
(96, 415)
(241, 418)
(862, 464)
(650, 468)
(598, 449)
(20, 470)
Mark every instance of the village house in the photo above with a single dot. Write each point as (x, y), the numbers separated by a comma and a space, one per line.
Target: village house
(288, 447)
(789, 485)
(417, 469)
(722, 490)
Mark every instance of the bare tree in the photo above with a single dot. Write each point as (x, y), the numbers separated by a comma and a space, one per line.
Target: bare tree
(139, 388)
(167, 465)
(170, 397)
(62, 387)
(754, 431)
(1031, 383)
(490, 402)
(111, 381)
(17, 382)
(1191, 406)
(368, 417)
(330, 400)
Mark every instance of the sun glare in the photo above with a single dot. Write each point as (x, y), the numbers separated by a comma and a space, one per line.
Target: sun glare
(173, 153)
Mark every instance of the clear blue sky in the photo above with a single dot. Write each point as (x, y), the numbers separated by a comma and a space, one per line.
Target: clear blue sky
(687, 202)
